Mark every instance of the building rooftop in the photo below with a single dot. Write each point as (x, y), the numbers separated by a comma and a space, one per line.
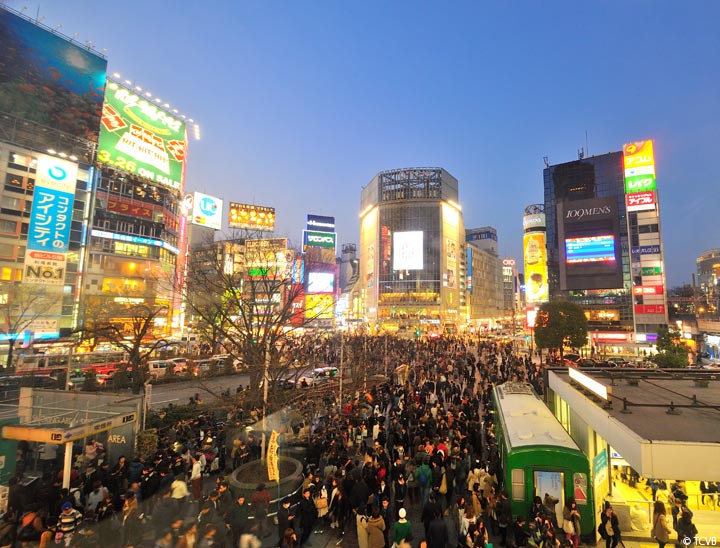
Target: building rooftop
(659, 420)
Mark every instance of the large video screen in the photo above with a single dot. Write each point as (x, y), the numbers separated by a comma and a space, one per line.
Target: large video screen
(46, 79)
(591, 249)
(321, 282)
(536, 275)
(408, 250)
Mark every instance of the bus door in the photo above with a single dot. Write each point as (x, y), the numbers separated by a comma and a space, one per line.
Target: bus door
(553, 484)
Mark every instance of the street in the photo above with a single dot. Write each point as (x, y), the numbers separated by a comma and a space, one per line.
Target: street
(179, 393)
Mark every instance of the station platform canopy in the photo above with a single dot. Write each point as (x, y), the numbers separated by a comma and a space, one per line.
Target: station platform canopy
(665, 423)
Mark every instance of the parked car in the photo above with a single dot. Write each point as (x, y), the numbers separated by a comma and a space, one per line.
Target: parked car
(571, 359)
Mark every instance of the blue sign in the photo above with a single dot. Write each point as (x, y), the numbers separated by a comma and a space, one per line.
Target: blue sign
(50, 220)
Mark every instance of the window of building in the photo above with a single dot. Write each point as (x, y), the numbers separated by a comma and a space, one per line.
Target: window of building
(9, 227)
(7, 250)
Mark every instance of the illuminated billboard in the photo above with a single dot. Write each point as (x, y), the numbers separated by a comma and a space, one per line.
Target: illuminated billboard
(138, 137)
(269, 258)
(251, 217)
(536, 277)
(319, 307)
(321, 282)
(407, 250)
(639, 164)
(50, 219)
(46, 79)
(311, 238)
(320, 223)
(590, 249)
(206, 211)
(640, 201)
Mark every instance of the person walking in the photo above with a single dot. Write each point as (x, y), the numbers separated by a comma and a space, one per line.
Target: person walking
(196, 479)
(686, 530)
(571, 522)
(609, 527)
(308, 515)
(375, 527)
(260, 501)
(661, 529)
(403, 528)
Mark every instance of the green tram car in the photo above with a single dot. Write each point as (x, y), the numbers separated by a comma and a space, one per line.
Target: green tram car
(538, 456)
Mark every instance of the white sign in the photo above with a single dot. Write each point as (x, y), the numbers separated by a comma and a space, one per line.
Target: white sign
(408, 250)
(207, 211)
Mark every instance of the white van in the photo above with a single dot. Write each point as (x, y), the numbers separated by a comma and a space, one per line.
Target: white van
(157, 368)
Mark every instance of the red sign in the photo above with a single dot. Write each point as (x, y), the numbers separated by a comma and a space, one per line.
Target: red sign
(648, 290)
(111, 118)
(612, 336)
(640, 201)
(650, 309)
(129, 208)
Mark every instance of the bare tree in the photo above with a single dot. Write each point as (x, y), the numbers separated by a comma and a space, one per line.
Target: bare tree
(21, 305)
(244, 289)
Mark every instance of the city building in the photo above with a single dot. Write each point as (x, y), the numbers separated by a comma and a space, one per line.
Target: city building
(708, 281)
(604, 246)
(138, 224)
(321, 271)
(46, 165)
(412, 237)
(485, 284)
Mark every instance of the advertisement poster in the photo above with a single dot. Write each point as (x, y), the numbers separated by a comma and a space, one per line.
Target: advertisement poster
(451, 262)
(207, 211)
(138, 137)
(50, 219)
(536, 283)
(408, 250)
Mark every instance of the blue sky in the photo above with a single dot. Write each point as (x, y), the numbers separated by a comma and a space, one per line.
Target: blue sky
(302, 103)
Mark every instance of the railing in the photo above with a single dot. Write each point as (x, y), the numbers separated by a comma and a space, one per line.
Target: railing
(694, 502)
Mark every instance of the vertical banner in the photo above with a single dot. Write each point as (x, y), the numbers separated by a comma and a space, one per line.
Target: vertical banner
(272, 458)
(50, 219)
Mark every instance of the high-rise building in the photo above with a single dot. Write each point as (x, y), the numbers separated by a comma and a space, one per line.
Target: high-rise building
(50, 108)
(604, 249)
(412, 239)
(137, 240)
(485, 291)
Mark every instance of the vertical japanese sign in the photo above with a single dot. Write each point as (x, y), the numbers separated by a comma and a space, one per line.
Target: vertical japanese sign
(50, 219)
(272, 458)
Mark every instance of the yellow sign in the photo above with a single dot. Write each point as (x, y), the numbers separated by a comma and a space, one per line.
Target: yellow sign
(60, 435)
(319, 306)
(536, 282)
(272, 458)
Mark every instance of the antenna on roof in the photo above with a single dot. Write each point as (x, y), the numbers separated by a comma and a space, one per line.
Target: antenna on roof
(547, 161)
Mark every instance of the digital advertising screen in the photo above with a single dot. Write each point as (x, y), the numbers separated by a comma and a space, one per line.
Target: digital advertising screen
(321, 282)
(407, 250)
(588, 234)
(138, 137)
(251, 217)
(312, 238)
(591, 249)
(44, 78)
(536, 273)
(320, 223)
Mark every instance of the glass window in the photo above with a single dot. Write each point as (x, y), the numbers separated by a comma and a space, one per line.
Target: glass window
(518, 484)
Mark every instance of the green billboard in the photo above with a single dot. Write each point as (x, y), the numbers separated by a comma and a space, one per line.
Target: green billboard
(639, 183)
(138, 137)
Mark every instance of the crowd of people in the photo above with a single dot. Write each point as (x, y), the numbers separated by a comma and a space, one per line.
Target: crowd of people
(420, 449)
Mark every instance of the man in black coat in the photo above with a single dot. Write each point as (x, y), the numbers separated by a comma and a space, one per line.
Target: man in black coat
(437, 536)
(430, 510)
(286, 517)
(308, 515)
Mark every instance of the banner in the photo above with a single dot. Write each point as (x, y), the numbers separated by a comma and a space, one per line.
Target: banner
(536, 283)
(272, 458)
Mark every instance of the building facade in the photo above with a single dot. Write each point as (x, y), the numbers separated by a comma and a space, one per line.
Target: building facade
(604, 249)
(412, 239)
(708, 280)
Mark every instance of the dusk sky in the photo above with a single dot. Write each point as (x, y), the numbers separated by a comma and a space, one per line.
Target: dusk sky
(301, 103)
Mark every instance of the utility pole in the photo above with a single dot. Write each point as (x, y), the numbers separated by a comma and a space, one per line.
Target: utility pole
(342, 363)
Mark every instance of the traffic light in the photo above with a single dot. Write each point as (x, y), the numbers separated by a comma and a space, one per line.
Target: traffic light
(417, 332)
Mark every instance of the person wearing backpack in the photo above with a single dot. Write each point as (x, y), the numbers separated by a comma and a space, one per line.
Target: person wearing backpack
(424, 478)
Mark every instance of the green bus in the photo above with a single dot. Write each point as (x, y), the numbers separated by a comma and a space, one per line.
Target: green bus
(538, 456)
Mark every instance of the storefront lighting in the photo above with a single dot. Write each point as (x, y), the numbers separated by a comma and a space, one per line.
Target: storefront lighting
(591, 384)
